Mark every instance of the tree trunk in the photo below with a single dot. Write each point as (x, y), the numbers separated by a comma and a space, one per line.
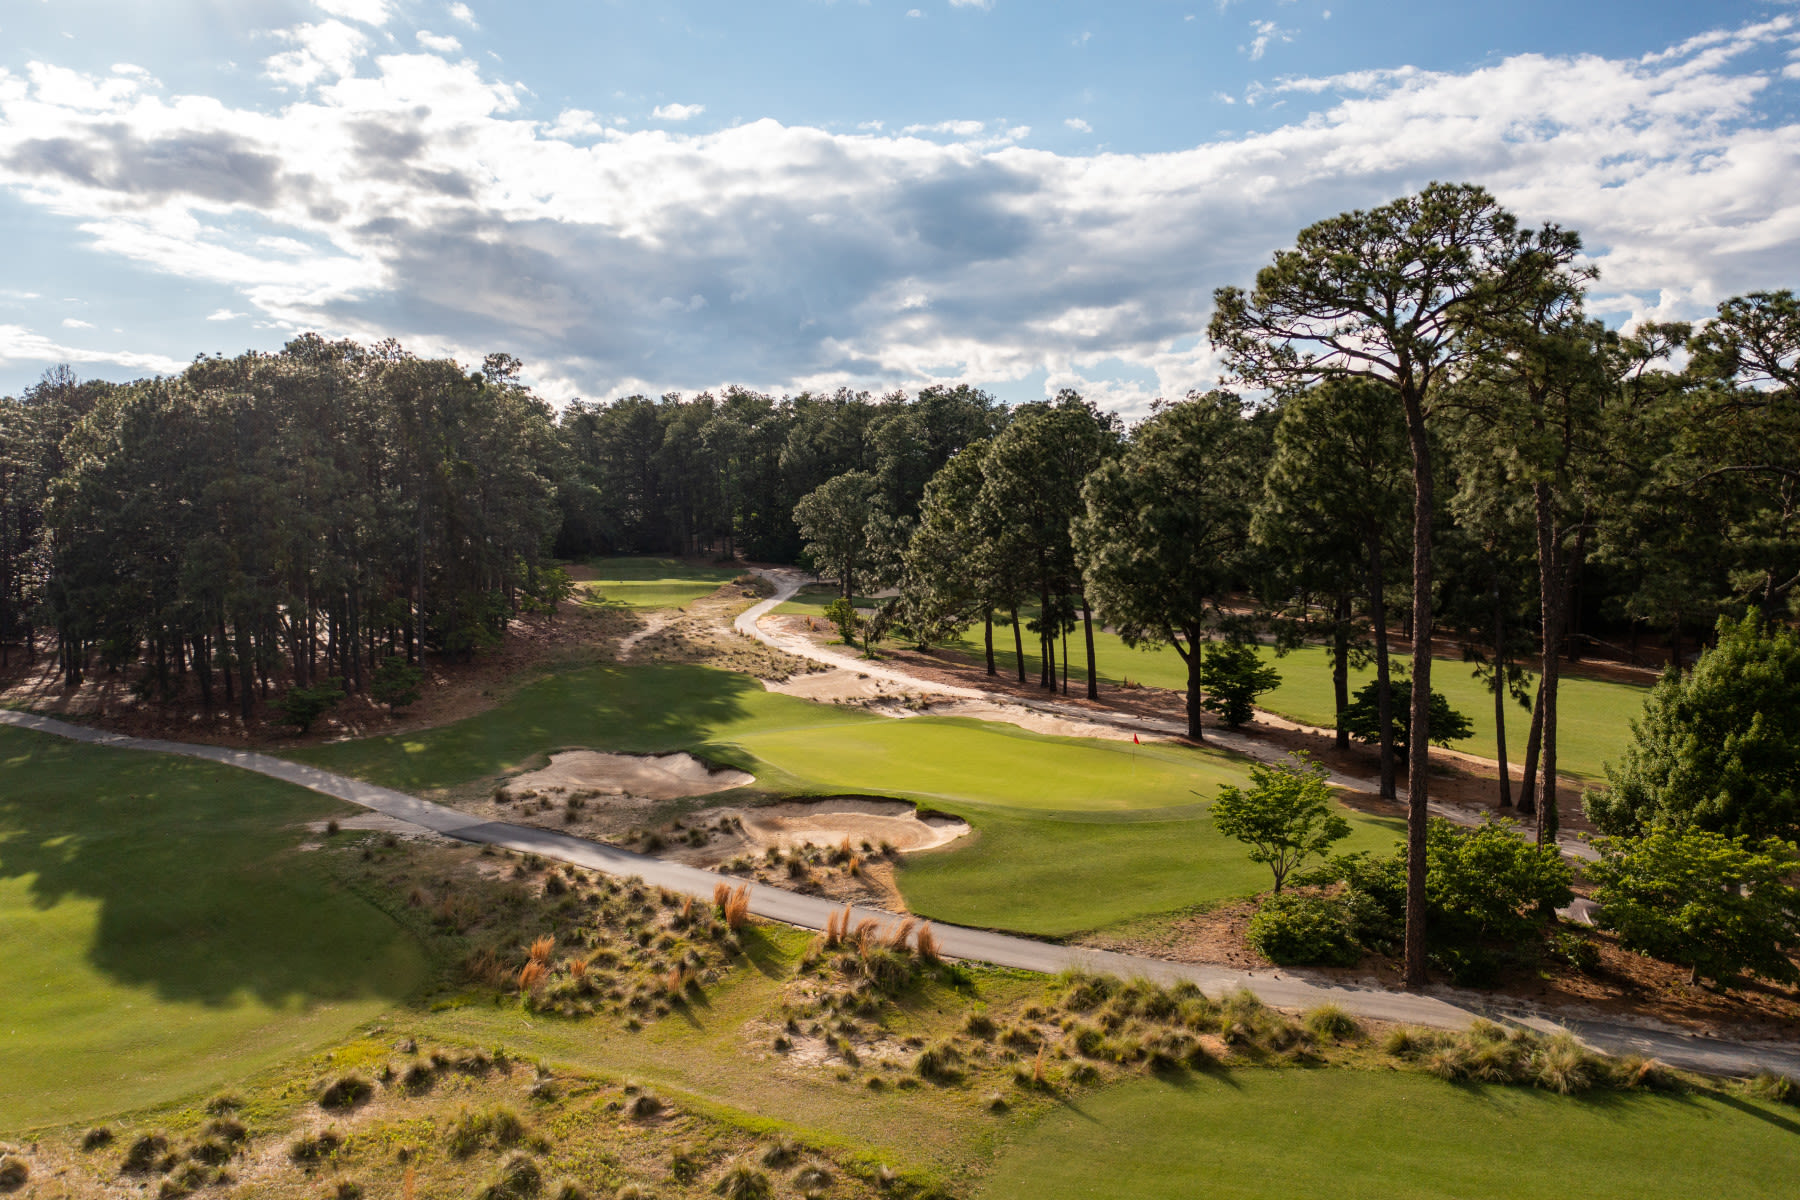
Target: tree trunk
(1340, 667)
(1384, 692)
(1192, 657)
(1528, 788)
(1046, 641)
(1065, 646)
(1018, 644)
(1554, 595)
(1087, 621)
(987, 629)
(1418, 754)
(1500, 694)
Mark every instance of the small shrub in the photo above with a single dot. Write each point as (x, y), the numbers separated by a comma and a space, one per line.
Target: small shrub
(645, 1105)
(812, 1178)
(744, 1183)
(210, 1151)
(13, 1173)
(314, 1148)
(302, 706)
(520, 1178)
(346, 1092)
(143, 1153)
(96, 1137)
(1580, 953)
(1767, 1085)
(1296, 931)
(780, 1153)
(938, 1063)
(395, 683)
(1562, 1065)
(229, 1129)
(979, 1025)
(1332, 1023)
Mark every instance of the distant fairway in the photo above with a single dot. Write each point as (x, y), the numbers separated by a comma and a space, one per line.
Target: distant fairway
(1594, 717)
(1362, 1135)
(160, 934)
(636, 581)
(1061, 823)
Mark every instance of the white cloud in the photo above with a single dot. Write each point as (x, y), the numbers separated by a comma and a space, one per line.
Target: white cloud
(321, 52)
(1078, 125)
(913, 12)
(441, 43)
(417, 200)
(369, 12)
(677, 112)
(1267, 32)
(981, 4)
(872, 126)
(18, 344)
(462, 13)
(76, 323)
(225, 314)
(955, 128)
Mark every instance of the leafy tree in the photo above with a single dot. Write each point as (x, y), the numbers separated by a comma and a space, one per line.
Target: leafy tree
(841, 613)
(1363, 719)
(1167, 524)
(1715, 904)
(301, 706)
(1390, 295)
(1285, 818)
(1234, 675)
(840, 521)
(396, 683)
(1718, 749)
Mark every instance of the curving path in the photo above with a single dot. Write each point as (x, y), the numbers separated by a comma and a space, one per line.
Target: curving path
(808, 912)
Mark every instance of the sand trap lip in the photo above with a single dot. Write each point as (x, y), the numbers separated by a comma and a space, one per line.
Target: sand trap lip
(828, 822)
(649, 776)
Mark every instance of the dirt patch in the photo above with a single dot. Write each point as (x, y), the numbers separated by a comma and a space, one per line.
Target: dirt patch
(369, 822)
(646, 776)
(828, 823)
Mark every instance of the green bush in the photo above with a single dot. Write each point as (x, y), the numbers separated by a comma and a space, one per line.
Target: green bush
(302, 706)
(396, 683)
(1303, 931)
(1362, 716)
(1234, 676)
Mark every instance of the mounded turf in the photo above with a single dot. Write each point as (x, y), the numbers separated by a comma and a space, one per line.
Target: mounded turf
(636, 581)
(1360, 1135)
(1594, 716)
(1029, 866)
(161, 935)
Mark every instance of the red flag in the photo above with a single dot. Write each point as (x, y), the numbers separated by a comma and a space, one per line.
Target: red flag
(1134, 740)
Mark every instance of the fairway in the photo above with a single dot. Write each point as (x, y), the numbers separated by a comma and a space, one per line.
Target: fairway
(1594, 717)
(161, 935)
(1357, 1135)
(1031, 866)
(636, 581)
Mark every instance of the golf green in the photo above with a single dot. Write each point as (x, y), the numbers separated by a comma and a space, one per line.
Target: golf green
(635, 581)
(1360, 1135)
(162, 934)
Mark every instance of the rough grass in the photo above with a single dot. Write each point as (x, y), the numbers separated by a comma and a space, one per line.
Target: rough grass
(1366, 1135)
(161, 934)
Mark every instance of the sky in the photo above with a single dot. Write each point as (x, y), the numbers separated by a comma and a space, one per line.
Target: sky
(807, 194)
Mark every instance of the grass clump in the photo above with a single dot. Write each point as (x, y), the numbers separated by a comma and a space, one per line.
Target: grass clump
(939, 1063)
(498, 1126)
(312, 1149)
(144, 1153)
(14, 1173)
(520, 1178)
(346, 1092)
(744, 1182)
(96, 1137)
(1331, 1023)
(1778, 1089)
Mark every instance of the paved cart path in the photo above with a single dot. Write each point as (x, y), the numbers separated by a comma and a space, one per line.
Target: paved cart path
(808, 912)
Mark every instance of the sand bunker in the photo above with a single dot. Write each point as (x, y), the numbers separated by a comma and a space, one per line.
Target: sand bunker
(827, 823)
(648, 776)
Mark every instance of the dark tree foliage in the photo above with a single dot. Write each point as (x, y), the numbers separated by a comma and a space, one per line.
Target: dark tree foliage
(1363, 718)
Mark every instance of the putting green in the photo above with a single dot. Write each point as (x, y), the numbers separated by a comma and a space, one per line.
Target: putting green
(1061, 824)
(1594, 716)
(1357, 1135)
(635, 581)
(162, 936)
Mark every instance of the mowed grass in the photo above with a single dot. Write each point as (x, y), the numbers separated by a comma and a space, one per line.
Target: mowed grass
(814, 598)
(1358, 1135)
(1144, 843)
(1594, 716)
(161, 935)
(637, 581)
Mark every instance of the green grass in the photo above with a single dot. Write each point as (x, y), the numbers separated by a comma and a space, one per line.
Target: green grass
(813, 599)
(1594, 715)
(1028, 867)
(1356, 1135)
(160, 934)
(636, 581)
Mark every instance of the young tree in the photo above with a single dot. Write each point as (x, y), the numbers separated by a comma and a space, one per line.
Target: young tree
(1166, 527)
(1717, 749)
(1234, 675)
(1390, 295)
(841, 521)
(1285, 818)
(1363, 719)
(1714, 904)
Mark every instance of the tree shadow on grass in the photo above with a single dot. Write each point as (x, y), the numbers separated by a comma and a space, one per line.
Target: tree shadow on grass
(200, 893)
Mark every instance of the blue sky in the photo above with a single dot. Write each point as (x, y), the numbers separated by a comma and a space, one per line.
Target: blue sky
(805, 194)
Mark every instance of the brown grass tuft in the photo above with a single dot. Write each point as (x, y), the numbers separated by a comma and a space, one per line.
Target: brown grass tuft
(864, 934)
(532, 975)
(897, 936)
(926, 944)
(721, 896)
(540, 948)
(737, 907)
(578, 969)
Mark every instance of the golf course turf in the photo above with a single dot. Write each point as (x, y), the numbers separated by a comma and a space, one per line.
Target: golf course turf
(161, 936)
(1370, 1135)
(1060, 823)
(643, 582)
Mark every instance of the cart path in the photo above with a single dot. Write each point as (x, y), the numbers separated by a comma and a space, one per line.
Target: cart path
(1276, 988)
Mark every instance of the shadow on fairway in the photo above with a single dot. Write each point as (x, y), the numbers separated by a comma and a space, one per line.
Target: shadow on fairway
(194, 886)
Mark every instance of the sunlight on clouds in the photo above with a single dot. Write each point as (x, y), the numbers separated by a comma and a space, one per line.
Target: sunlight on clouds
(677, 112)
(441, 44)
(18, 344)
(406, 194)
(369, 12)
